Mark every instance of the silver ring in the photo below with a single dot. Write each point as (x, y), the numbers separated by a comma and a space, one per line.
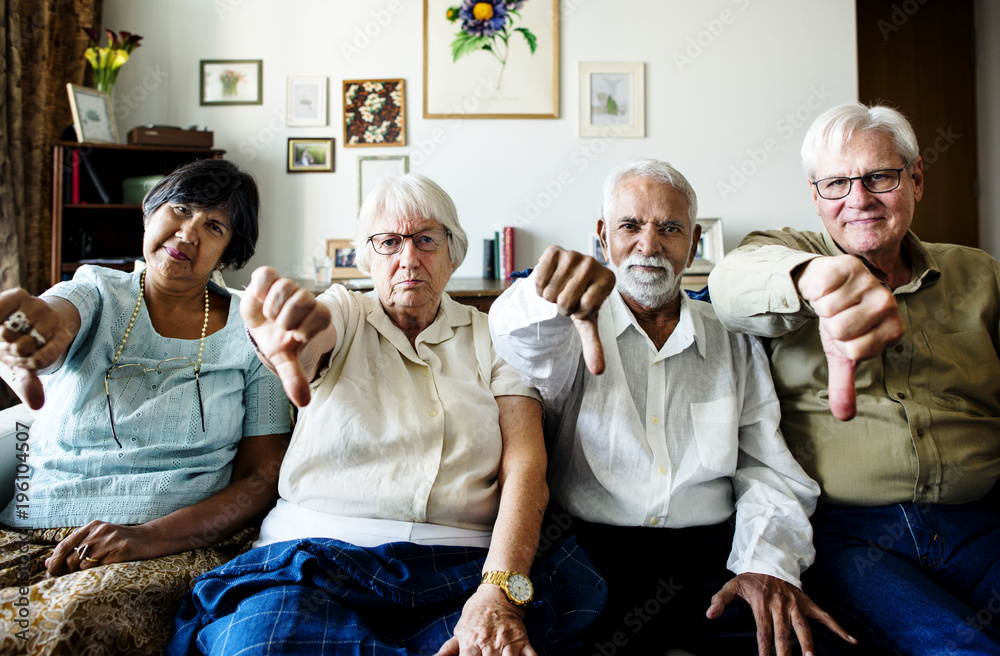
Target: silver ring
(38, 337)
(82, 550)
(18, 322)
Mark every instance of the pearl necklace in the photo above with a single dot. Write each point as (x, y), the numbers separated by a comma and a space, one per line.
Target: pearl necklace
(201, 348)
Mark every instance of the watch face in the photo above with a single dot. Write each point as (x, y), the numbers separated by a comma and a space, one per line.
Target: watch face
(519, 588)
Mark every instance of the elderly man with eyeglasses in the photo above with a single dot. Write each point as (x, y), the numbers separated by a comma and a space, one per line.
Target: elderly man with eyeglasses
(865, 321)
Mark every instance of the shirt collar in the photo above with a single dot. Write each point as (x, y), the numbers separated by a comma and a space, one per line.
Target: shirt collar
(689, 329)
(923, 266)
(450, 316)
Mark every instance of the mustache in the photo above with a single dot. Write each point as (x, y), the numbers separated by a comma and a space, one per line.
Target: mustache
(635, 259)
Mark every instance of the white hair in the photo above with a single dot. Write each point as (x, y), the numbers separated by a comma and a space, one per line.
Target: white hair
(648, 168)
(410, 195)
(833, 128)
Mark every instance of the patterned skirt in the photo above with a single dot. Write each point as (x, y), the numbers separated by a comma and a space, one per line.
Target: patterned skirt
(123, 608)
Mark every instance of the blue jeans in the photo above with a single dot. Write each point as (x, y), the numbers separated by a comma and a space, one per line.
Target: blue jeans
(920, 579)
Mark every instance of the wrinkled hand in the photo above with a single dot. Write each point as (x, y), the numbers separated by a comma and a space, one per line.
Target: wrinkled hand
(282, 318)
(858, 319)
(22, 352)
(109, 543)
(490, 626)
(778, 608)
(578, 285)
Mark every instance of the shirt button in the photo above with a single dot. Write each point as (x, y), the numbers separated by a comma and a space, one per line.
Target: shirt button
(661, 471)
(899, 348)
(657, 363)
(924, 489)
(428, 467)
(427, 373)
(900, 395)
(920, 432)
(654, 521)
(655, 420)
(433, 413)
(784, 302)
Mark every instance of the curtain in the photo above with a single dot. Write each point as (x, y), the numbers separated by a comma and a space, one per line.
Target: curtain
(43, 50)
(43, 44)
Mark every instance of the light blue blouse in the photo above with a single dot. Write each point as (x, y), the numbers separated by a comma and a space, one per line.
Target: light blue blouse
(78, 473)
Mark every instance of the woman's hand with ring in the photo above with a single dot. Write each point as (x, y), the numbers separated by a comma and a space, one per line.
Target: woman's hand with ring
(101, 543)
(33, 337)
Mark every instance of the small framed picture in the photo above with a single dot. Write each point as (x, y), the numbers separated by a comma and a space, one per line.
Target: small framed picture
(710, 247)
(341, 251)
(232, 82)
(306, 102)
(371, 171)
(595, 249)
(310, 155)
(374, 113)
(92, 116)
(612, 99)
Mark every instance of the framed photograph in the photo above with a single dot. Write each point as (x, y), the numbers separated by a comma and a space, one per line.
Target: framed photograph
(374, 113)
(710, 247)
(341, 251)
(232, 82)
(310, 155)
(371, 171)
(595, 249)
(491, 59)
(92, 116)
(612, 102)
(305, 104)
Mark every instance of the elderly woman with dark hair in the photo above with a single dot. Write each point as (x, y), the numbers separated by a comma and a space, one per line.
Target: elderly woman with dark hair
(416, 472)
(159, 436)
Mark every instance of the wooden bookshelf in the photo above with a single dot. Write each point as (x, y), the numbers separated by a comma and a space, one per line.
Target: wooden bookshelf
(92, 228)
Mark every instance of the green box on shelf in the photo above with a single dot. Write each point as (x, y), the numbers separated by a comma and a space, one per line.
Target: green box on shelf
(135, 189)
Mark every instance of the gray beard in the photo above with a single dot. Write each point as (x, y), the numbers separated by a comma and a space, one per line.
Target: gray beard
(649, 289)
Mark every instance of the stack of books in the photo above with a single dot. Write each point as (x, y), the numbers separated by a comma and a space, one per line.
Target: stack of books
(498, 254)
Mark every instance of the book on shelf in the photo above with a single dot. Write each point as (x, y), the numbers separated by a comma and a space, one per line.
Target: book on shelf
(506, 260)
(496, 255)
(489, 264)
(75, 176)
(105, 198)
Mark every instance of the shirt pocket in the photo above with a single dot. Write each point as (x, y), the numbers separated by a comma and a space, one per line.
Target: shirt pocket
(965, 372)
(715, 432)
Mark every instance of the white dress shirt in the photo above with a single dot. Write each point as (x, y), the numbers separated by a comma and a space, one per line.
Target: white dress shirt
(671, 438)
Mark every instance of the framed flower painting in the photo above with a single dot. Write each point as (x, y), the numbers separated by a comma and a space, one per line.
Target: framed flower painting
(374, 113)
(491, 59)
(232, 82)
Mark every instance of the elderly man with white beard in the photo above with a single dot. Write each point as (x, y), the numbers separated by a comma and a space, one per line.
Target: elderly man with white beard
(663, 437)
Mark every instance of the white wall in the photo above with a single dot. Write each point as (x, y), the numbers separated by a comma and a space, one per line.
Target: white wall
(756, 83)
(988, 122)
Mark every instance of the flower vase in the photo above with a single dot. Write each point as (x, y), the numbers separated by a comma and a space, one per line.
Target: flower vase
(229, 88)
(106, 86)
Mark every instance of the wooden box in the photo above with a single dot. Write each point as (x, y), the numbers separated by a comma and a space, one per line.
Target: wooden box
(165, 136)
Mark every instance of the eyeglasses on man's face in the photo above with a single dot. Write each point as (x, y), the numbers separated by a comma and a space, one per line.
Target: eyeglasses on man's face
(390, 243)
(129, 370)
(877, 182)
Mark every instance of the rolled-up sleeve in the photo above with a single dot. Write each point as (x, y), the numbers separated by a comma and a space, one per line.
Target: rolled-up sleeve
(774, 495)
(752, 288)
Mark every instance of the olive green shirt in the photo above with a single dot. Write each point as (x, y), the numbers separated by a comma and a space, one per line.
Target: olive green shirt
(928, 411)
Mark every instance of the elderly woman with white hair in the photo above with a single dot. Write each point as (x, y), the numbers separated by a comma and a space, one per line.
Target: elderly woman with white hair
(413, 490)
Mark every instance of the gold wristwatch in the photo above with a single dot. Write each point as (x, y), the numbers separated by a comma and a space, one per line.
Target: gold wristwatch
(515, 585)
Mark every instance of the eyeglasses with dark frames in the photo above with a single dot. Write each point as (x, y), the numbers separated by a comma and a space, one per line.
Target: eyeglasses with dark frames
(877, 182)
(428, 241)
(129, 370)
